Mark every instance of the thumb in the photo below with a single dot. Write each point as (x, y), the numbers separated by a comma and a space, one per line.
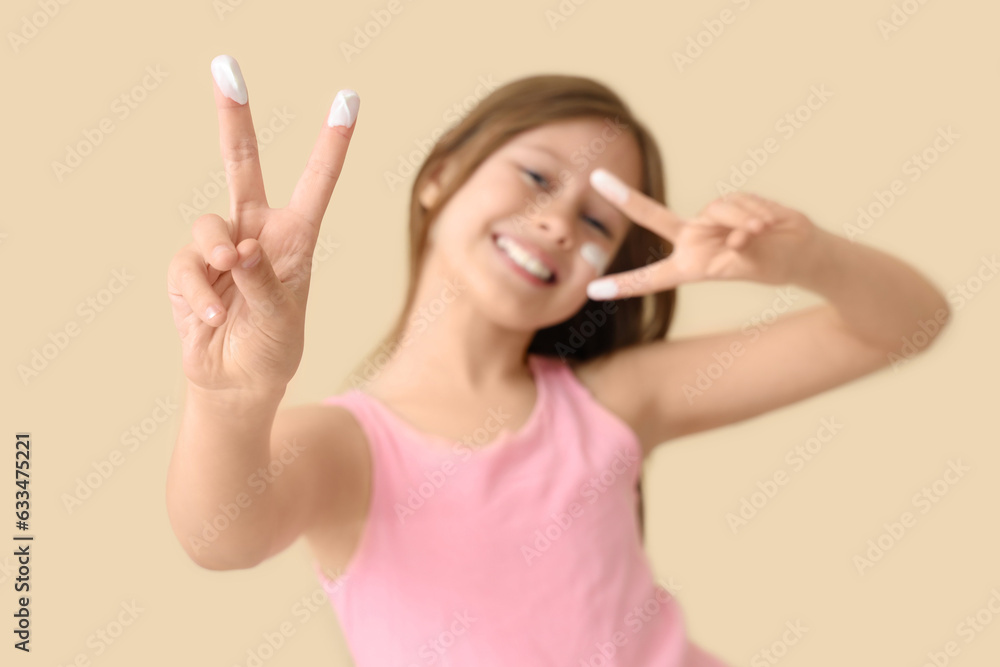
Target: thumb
(259, 285)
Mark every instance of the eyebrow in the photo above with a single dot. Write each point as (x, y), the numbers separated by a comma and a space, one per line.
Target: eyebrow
(545, 149)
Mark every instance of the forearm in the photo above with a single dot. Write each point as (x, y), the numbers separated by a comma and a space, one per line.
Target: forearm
(223, 440)
(879, 297)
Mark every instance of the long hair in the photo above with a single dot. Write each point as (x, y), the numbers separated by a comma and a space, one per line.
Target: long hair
(598, 327)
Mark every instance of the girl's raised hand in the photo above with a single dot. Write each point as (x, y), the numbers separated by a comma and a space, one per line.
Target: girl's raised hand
(238, 291)
(737, 237)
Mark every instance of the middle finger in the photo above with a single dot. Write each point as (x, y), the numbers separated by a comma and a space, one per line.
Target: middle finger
(728, 214)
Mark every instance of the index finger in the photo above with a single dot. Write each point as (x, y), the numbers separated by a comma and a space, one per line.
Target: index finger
(638, 206)
(315, 187)
(240, 154)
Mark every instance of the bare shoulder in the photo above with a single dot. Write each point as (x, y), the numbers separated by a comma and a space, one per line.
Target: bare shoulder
(610, 378)
(335, 451)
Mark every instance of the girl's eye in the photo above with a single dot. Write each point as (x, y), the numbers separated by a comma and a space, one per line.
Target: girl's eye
(538, 178)
(598, 224)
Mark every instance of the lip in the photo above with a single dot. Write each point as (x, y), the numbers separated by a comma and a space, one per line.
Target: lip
(534, 251)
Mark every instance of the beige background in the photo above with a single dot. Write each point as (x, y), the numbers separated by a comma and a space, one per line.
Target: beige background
(120, 209)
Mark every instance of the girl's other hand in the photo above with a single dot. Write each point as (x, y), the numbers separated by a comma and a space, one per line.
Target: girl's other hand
(238, 291)
(737, 237)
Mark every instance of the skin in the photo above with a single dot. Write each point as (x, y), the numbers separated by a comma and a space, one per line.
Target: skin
(472, 356)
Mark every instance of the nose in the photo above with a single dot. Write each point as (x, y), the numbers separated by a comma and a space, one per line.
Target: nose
(555, 220)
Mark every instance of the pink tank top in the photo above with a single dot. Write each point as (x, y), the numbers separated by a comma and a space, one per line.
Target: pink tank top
(521, 548)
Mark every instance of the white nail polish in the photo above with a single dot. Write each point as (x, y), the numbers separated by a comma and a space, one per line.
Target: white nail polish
(229, 78)
(595, 256)
(344, 109)
(609, 185)
(602, 289)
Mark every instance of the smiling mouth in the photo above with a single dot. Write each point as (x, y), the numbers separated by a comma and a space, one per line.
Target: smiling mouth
(523, 262)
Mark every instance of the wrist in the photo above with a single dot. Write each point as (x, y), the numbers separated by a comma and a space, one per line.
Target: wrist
(819, 260)
(236, 398)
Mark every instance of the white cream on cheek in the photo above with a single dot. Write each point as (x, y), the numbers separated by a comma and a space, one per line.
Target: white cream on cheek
(594, 255)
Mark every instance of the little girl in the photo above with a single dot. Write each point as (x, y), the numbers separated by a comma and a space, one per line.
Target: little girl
(474, 498)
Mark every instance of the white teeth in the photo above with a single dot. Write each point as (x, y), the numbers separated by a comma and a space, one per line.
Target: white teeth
(523, 258)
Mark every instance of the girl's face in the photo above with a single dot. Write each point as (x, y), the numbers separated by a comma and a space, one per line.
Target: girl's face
(526, 232)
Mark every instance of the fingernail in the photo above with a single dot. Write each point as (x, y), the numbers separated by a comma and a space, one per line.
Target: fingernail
(602, 289)
(595, 256)
(344, 109)
(251, 261)
(211, 312)
(609, 185)
(217, 253)
(229, 78)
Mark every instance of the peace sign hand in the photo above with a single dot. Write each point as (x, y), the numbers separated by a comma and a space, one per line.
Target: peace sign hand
(238, 291)
(737, 237)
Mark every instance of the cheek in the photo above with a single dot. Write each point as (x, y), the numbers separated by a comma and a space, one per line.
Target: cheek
(596, 256)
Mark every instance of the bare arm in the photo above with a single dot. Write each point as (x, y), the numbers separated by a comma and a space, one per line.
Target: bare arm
(216, 514)
(877, 304)
(245, 482)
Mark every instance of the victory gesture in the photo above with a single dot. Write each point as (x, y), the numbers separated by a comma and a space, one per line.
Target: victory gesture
(737, 237)
(238, 291)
